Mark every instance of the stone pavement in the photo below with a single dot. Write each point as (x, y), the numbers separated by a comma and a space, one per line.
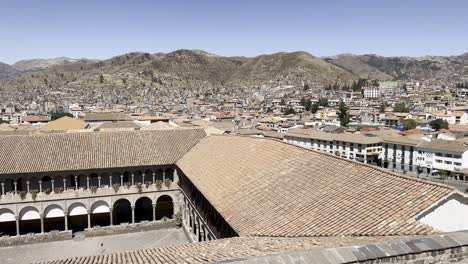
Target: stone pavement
(91, 246)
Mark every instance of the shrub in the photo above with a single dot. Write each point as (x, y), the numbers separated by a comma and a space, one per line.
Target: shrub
(139, 187)
(158, 184)
(128, 185)
(165, 219)
(93, 189)
(22, 195)
(47, 191)
(116, 187)
(167, 183)
(34, 194)
(58, 190)
(148, 183)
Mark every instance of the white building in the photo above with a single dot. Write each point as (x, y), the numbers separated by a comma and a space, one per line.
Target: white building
(371, 92)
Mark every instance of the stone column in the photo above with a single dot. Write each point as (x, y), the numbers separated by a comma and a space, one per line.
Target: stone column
(52, 183)
(87, 182)
(111, 216)
(164, 176)
(40, 186)
(66, 220)
(154, 177)
(143, 178)
(197, 232)
(154, 212)
(121, 180)
(110, 181)
(64, 184)
(17, 225)
(133, 214)
(176, 176)
(27, 186)
(133, 178)
(3, 188)
(99, 181)
(89, 218)
(76, 182)
(16, 186)
(42, 223)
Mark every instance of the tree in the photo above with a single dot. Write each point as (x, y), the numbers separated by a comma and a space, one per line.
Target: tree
(343, 114)
(282, 102)
(101, 79)
(314, 108)
(306, 103)
(289, 111)
(382, 107)
(57, 115)
(306, 87)
(323, 102)
(409, 123)
(401, 108)
(439, 124)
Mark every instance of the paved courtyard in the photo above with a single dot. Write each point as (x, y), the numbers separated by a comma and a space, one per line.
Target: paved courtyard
(91, 246)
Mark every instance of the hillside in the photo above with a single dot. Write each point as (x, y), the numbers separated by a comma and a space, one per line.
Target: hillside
(7, 72)
(429, 68)
(40, 64)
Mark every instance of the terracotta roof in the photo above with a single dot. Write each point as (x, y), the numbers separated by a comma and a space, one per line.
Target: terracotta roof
(64, 123)
(217, 250)
(118, 124)
(80, 151)
(403, 140)
(264, 187)
(95, 117)
(444, 145)
(35, 118)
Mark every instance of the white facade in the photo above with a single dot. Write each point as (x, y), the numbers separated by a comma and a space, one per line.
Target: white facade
(450, 215)
(371, 92)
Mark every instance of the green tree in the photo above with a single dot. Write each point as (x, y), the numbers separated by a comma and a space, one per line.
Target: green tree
(306, 103)
(101, 79)
(401, 108)
(439, 124)
(382, 107)
(57, 115)
(343, 114)
(289, 111)
(323, 102)
(409, 123)
(306, 87)
(314, 108)
(282, 102)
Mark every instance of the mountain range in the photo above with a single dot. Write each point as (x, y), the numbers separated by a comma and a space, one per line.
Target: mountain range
(199, 69)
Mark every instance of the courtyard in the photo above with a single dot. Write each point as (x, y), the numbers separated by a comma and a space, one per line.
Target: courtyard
(91, 246)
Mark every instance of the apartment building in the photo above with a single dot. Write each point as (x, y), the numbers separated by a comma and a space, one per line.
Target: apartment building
(399, 154)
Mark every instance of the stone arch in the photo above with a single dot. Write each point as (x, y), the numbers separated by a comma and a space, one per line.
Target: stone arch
(93, 180)
(33, 183)
(9, 185)
(21, 184)
(7, 222)
(116, 177)
(164, 207)
(122, 212)
(148, 176)
(54, 218)
(105, 178)
(126, 177)
(138, 177)
(143, 209)
(81, 181)
(46, 183)
(100, 213)
(77, 216)
(159, 175)
(30, 220)
(170, 174)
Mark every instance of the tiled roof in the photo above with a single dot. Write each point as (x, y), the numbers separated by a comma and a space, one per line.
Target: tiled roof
(35, 118)
(444, 145)
(216, 250)
(118, 124)
(263, 187)
(80, 151)
(64, 123)
(93, 117)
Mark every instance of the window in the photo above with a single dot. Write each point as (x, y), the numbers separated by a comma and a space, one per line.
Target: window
(457, 163)
(448, 162)
(439, 154)
(448, 155)
(457, 156)
(438, 161)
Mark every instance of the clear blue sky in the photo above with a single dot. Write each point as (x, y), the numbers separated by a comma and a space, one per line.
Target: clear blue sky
(104, 28)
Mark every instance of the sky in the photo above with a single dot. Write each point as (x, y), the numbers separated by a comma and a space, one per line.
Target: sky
(100, 29)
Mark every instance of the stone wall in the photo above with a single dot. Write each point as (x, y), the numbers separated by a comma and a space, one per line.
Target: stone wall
(441, 248)
(7, 241)
(129, 228)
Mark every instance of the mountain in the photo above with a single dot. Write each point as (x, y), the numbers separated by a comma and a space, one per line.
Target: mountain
(40, 64)
(8, 72)
(441, 69)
